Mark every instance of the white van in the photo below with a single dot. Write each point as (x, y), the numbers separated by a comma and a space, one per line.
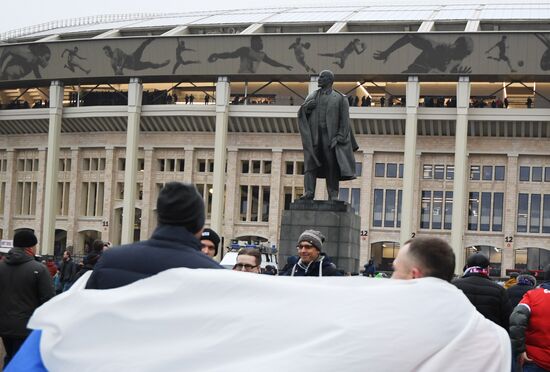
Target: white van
(269, 255)
(5, 246)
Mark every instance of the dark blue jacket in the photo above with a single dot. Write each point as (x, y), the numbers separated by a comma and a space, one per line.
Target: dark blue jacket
(323, 266)
(169, 247)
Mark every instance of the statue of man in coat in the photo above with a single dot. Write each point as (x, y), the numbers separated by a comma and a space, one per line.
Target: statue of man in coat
(327, 138)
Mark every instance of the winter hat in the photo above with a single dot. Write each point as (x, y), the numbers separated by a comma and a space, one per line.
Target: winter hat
(479, 260)
(526, 279)
(209, 234)
(314, 237)
(24, 239)
(180, 204)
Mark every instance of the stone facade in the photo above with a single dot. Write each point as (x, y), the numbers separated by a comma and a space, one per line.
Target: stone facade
(188, 155)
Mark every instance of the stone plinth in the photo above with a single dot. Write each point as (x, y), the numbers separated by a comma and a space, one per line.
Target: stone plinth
(335, 219)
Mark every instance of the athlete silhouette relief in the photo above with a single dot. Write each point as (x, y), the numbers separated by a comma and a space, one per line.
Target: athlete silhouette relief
(442, 57)
(501, 45)
(250, 57)
(179, 58)
(17, 62)
(354, 46)
(545, 59)
(299, 47)
(71, 64)
(120, 60)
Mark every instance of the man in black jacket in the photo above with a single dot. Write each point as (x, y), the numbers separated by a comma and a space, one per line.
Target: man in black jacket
(174, 243)
(312, 262)
(67, 271)
(489, 298)
(25, 284)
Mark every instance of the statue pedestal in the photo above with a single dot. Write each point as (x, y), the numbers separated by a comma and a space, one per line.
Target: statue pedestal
(335, 219)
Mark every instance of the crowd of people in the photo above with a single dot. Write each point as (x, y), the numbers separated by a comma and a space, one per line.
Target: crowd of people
(181, 241)
(165, 97)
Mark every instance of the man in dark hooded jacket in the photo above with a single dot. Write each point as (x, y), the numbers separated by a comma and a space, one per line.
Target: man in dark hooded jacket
(174, 243)
(489, 298)
(25, 284)
(312, 261)
(524, 283)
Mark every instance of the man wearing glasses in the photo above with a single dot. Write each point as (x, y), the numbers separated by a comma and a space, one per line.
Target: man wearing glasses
(249, 260)
(312, 261)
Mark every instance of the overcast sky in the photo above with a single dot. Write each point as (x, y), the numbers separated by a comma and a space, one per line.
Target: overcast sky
(19, 14)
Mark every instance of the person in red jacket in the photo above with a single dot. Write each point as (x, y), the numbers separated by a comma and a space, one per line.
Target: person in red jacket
(530, 328)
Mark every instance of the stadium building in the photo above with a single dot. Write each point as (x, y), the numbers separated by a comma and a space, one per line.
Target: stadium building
(449, 105)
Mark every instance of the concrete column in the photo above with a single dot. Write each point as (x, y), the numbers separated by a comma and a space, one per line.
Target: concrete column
(510, 213)
(220, 152)
(52, 168)
(39, 211)
(148, 194)
(189, 164)
(275, 195)
(366, 206)
(109, 192)
(409, 164)
(72, 218)
(10, 190)
(231, 191)
(460, 190)
(135, 91)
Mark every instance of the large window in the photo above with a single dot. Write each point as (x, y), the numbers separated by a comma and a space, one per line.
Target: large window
(436, 210)
(92, 197)
(533, 213)
(26, 198)
(354, 198)
(387, 208)
(254, 205)
(485, 211)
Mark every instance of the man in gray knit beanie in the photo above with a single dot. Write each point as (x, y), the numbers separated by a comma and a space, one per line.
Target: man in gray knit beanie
(312, 261)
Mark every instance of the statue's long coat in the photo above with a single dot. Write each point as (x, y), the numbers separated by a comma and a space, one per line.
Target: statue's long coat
(338, 124)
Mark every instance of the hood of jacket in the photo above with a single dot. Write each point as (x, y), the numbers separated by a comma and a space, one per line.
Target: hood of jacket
(17, 256)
